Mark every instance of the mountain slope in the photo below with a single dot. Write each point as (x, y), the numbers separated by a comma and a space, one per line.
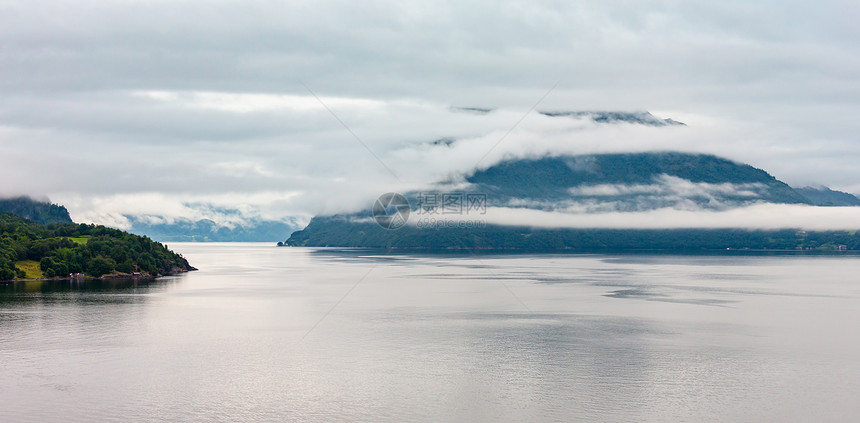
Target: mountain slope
(826, 197)
(631, 182)
(40, 212)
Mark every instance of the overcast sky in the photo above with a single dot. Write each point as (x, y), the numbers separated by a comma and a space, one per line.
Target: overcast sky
(172, 107)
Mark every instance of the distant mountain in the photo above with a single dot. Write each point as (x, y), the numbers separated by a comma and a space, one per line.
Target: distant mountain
(186, 230)
(446, 142)
(826, 197)
(630, 182)
(472, 110)
(41, 212)
(640, 118)
(589, 184)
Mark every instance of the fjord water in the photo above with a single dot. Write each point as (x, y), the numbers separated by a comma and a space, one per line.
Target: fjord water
(292, 334)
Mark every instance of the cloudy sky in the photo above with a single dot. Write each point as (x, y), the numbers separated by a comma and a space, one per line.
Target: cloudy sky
(295, 108)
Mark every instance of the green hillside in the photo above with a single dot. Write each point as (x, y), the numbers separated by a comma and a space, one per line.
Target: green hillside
(37, 211)
(63, 248)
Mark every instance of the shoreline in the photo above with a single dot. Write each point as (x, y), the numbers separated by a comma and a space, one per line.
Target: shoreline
(105, 277)
(606, 251)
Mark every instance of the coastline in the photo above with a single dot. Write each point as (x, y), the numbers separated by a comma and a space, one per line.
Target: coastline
(104, 277)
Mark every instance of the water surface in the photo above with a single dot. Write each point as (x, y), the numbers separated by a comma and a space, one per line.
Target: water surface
(275, 334)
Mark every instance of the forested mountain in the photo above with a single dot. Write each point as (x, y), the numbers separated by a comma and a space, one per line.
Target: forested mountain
(37, 211)
(593, 184)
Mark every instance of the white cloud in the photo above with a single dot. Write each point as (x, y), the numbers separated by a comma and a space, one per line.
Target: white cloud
(254, 102)
(607, 190)
(229, 209)
(760, 216)
(193, 99)
(666, 190)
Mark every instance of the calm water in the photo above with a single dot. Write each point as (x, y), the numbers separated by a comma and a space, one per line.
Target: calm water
(277, 334)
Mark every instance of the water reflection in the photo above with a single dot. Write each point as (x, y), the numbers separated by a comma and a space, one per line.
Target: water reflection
(27, 290)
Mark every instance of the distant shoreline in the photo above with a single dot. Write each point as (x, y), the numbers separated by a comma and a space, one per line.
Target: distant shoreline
(609, 252)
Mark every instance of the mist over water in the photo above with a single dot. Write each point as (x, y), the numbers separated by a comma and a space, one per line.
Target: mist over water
(279, 334)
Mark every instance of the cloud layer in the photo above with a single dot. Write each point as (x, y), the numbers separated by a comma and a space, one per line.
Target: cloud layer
(759, 216)
(298, 108)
